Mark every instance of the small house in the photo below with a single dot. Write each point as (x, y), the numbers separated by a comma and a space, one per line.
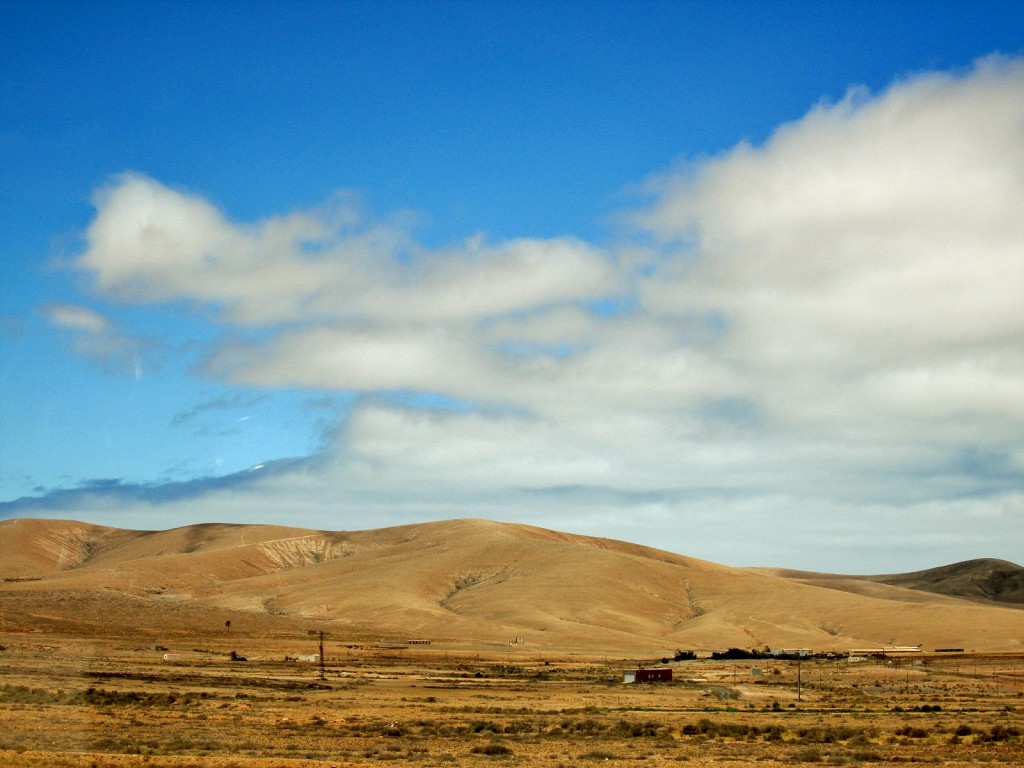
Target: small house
(661, 675)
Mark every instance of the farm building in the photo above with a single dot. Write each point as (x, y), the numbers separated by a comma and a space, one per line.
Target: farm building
(649, 676)
(885, 650)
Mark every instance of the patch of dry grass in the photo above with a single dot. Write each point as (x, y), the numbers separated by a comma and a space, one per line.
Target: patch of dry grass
(120, 705)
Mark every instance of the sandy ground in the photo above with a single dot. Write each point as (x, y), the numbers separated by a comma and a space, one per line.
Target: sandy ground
(69, 701)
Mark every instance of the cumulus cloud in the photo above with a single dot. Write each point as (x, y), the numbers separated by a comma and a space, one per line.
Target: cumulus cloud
(823, 326)
(867, 259)
(150, 243)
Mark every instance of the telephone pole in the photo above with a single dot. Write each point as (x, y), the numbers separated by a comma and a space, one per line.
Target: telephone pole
(323, 673)
(799, 689)
(320, 656)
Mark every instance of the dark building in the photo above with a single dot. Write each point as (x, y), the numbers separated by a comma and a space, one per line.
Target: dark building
(653, 676)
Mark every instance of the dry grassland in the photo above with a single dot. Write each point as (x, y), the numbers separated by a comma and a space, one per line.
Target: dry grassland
(84, 682)
(97, 702)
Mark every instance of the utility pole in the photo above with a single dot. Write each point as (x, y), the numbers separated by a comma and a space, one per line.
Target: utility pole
(323, 672)
(799, 689)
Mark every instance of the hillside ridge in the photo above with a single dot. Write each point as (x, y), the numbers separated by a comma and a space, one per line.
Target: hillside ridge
(474, 580)
(980, 579)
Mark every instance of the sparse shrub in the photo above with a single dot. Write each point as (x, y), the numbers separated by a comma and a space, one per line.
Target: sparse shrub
(394, 729)
(705, 727)
(912, 732)
(814, 735)
(866, 755)
(493, 749)
(820, 735)
(1001, 733)
(809, 755)
(637, 730)
(587, 727)
(485, 726)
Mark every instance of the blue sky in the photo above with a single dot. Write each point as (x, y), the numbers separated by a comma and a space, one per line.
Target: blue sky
(740, 280)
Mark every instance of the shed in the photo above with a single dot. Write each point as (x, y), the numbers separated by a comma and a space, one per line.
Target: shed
(662, 675)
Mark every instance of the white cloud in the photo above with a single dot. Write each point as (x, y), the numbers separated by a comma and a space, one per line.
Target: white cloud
(152, 243)
(94, 336)
(76, 318)
(359, 357)
(869, 255)
(828, 326)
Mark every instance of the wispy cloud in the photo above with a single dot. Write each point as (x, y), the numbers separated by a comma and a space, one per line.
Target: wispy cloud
(224, 402)
(95, 337)
(808, 330)
(76, 318)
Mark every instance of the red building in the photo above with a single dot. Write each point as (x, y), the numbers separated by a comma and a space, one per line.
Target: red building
(653, 676)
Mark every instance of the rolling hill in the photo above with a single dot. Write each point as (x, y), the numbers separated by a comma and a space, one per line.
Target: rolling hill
(984, 580)
(467, 581)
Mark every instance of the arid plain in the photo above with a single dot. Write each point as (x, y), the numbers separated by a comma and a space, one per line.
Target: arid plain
(476, 643)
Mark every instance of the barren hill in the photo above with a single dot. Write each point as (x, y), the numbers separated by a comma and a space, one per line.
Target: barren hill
(987, 581)
(460, 581)
(996, 581)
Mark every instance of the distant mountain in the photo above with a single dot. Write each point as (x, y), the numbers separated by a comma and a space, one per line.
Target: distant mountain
(461, 581)
(984, 580)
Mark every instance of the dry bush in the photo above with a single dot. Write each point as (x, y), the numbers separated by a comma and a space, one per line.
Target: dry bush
(494, 749)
